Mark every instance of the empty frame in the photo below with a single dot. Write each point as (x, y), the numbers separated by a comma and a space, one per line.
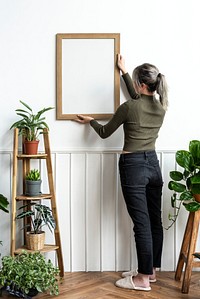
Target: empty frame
(88, 80)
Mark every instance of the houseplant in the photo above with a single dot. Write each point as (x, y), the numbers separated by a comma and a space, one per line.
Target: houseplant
(26, 274)
(33, 183)
(30, 125)
(38, 216)
(3, 205)
(185, 184)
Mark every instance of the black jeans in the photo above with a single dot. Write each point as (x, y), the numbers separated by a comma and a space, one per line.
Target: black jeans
(141, 182)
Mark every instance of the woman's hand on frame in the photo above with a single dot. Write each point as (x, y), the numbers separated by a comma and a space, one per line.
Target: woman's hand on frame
(83, 119)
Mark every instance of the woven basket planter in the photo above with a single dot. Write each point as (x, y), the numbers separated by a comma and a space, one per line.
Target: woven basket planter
(35, 241)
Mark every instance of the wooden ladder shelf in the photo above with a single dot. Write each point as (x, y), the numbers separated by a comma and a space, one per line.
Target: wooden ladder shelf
(187, 251)
(26, 164)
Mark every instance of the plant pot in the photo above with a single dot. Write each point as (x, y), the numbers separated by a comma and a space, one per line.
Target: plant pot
(35, 241)
(31, 147)
(33, 188)
(33, 292)
(17, 292)
(197, 197)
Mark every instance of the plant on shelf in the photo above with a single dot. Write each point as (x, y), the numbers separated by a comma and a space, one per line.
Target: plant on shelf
(185, 184)
(30, 125)
(33, 183)
(33, 175)
(3, 205)
(38, 216)
(26, 274)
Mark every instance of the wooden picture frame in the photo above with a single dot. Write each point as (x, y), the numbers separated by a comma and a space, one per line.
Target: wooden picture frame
(87, 77)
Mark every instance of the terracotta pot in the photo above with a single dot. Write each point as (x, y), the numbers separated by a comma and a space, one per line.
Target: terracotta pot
(197, 197)
(31, 147)
(35, 241)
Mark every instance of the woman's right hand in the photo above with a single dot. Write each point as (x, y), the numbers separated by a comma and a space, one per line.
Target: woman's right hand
(121, 63)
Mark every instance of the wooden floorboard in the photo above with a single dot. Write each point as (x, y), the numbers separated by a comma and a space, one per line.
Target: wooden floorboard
(100, 285)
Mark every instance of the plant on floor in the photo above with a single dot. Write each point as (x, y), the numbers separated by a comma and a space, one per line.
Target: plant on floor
(26, 272)
(3, 205)
(30, 125)
(185, 184)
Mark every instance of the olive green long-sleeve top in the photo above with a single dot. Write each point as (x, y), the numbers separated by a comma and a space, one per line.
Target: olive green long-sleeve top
(141, 117)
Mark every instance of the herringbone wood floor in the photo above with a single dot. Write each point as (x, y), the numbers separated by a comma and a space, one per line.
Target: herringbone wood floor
(100, 285)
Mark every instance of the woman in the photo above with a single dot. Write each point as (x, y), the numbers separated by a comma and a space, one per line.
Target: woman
(141, 179)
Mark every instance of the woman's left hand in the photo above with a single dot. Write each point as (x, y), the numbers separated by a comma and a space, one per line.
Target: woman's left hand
(83, 119)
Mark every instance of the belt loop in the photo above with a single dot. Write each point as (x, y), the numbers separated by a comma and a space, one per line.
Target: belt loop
(145, 155)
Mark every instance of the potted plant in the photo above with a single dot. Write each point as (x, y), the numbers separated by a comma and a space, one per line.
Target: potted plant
(30, 125)
(26, 274)
(37, 216)
(185, 184)
(3, 205)
(33, 183)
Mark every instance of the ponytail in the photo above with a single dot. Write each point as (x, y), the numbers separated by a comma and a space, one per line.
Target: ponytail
(149, 74)
(162, 90)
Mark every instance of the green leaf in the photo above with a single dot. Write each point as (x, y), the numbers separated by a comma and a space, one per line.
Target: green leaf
(192, 206)
(186, 195)
(195, 179)
(194, 148)
(186, 174)
(25, 214)
(176, 175)
(26, 105)
(3, 203)
(177, 187)
(185, 160)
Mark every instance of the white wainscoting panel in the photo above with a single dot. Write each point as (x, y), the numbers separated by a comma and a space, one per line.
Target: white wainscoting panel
(96, 231)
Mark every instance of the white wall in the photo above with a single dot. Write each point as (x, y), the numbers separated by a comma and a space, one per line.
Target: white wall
(161, 32)
(164, 33)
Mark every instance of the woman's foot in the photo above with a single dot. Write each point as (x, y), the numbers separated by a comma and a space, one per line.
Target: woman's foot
(141, 280)
(152, 278)
(137, 283)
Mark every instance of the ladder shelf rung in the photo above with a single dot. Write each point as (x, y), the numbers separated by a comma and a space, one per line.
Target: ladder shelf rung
(38, 156)
(32, 198)
(47, 248)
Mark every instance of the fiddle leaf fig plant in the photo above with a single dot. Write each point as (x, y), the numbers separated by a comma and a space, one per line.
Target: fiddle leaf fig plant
(185, 184)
